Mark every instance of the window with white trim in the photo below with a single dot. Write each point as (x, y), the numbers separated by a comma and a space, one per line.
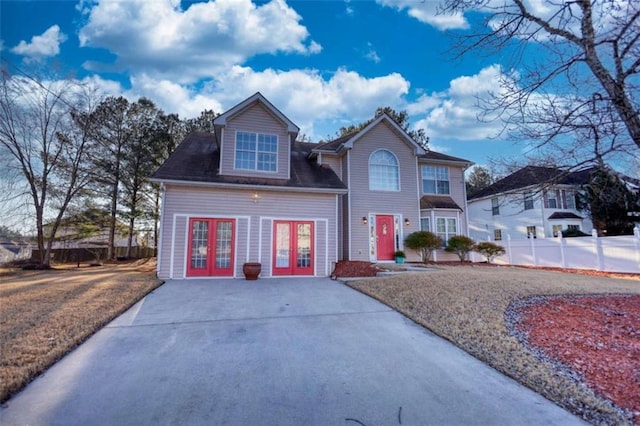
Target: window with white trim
(446, 227)
(531, 232)
(528, 200)
(568, 199)
(256, 151)
(556, 229)
(425, 224)
(495, 206)
(383, 171)
(497, 234)
(551, 200)
(435, 180)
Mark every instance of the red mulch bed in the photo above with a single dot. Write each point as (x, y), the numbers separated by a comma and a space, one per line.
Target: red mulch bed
(353, 269)
(595, 337)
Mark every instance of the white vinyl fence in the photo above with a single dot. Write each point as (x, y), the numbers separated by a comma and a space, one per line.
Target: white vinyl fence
(611, 254)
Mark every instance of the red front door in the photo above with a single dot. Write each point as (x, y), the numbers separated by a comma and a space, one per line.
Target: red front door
(385, 237)
(292, 248)
(211, 244)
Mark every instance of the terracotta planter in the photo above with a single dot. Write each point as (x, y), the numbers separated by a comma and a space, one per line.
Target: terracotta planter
(251, 270)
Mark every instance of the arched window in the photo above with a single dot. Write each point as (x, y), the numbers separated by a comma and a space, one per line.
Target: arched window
(383, 171)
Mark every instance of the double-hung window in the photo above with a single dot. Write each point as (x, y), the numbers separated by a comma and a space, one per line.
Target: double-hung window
(425, 224)
(256, 151)
(446, 227)
(528, 200)
(552, 200)
(495, 206)
(383, 171)
(435, 180)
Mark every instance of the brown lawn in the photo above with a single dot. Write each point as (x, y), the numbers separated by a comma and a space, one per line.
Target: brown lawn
(45, 314)
(480, 309)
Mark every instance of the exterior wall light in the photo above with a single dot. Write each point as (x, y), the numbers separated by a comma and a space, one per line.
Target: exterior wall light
(407, 222)
(255, 197)
(364, 220)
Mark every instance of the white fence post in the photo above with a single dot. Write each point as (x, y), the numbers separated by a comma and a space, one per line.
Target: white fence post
(636, 233)
(562, 258)
(533, 250)
(509, 249)
(597, 245)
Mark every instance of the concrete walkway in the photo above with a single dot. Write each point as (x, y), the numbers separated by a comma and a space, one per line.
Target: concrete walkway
(272, 352)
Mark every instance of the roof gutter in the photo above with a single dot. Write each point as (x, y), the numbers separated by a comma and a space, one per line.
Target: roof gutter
(250, 187)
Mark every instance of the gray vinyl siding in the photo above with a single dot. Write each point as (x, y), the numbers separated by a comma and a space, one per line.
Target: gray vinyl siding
(253, 220)
(255, 119)
(334, 162)
(365, 201)
(456, 189)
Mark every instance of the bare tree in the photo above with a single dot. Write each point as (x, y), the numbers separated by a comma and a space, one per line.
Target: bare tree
(574, 70)
(44, 137)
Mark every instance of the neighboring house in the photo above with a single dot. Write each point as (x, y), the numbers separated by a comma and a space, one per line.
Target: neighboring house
(533, 202)
(14, 250)
(250, 193)
(89, 229)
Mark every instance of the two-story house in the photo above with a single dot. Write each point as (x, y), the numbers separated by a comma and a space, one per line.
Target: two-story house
(533, 202)
(249, 192)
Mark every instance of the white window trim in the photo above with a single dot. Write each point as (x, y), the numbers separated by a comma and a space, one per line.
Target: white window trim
(436, 179)
(457, 231)
(397, 166)
(255, 170)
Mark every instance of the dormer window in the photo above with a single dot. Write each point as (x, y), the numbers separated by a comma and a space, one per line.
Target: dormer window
(256, 151)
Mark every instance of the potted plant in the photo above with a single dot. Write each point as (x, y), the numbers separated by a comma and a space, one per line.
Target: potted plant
(400, 256)
(251, 270)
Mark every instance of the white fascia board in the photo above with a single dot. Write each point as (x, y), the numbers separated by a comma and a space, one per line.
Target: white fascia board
(221, 120)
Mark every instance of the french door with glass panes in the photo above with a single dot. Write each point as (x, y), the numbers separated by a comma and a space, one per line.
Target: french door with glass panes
(211, 247)
(292, 248)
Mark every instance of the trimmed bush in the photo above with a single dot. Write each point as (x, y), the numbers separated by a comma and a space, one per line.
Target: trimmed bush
(460, 245)
(489, 250)
(424, 242)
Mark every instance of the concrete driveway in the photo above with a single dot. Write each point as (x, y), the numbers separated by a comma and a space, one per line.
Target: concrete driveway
(272, 352)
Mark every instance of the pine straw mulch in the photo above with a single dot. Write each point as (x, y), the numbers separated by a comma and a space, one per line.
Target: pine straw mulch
(45, 314)
(485, 311)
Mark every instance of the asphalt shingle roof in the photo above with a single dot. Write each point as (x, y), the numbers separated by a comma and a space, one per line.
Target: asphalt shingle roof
(197, 159)
(534, 175)
(438, 202)
(564, 215)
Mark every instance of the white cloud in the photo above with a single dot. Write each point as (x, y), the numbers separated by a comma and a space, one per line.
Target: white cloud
(426, 11)
(160, 38)
(371, 54)
(453, 113)
(41, 46)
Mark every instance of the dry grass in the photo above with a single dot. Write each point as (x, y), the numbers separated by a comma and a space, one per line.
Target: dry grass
(467, 306)
(45, 314)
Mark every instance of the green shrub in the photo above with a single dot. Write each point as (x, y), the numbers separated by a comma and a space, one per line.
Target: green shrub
(567, 233)
(489, 250)
(424, 242)
(399, 253)
(460, 245)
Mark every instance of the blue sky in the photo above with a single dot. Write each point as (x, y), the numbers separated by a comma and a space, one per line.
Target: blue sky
(325, 64)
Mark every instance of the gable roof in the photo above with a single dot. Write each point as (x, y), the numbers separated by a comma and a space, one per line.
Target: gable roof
(221, 120)
(197, 160)
(531, 176)
(347, 141)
